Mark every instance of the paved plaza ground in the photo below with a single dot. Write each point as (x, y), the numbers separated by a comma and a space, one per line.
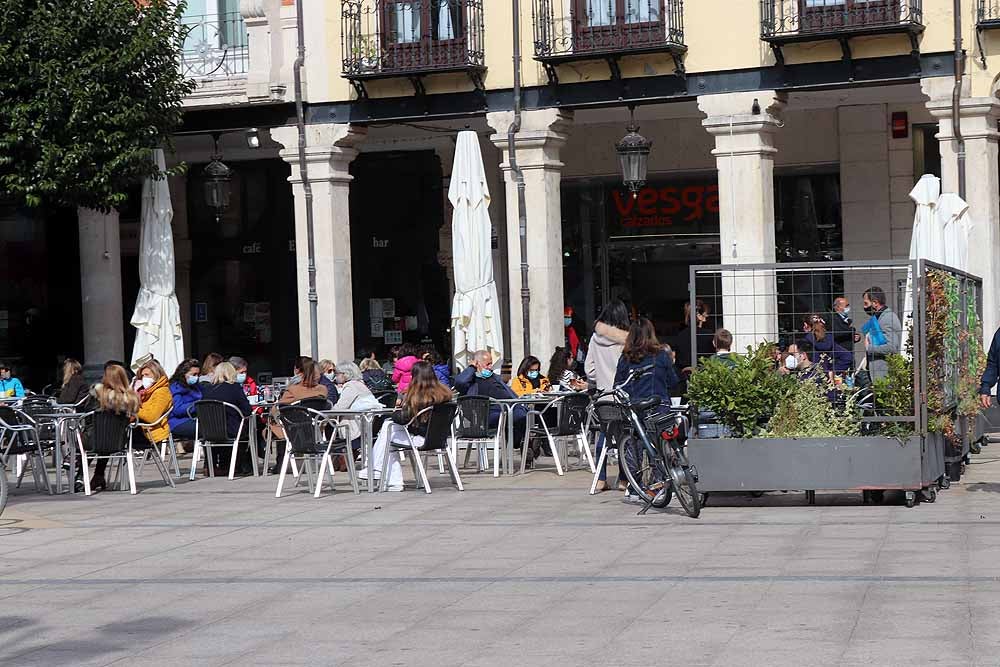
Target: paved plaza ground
(514, 571)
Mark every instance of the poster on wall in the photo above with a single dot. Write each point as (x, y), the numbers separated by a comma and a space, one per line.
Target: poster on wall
(393, 337)
(375, 309)
(388, 308)
(377, 328)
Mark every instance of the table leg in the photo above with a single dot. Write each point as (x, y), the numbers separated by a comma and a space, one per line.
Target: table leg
(368, 445)
(510, 439)
(56, 433)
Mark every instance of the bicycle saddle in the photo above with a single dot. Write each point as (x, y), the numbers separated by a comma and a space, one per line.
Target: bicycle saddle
(645, 404)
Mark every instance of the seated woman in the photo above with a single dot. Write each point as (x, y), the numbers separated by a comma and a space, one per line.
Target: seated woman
(224, 388)
(375, 377)
(642, 349)
(826, 352)
(424, 391)
(529, 378)
(10, 387)
(561, 373)
(74, 387)
(402, 370)
(305, 384)
(185, 391)
(112, 394)
(243, 376)
(328, 378)
(441, 369)
(212, 359)
(354, 395)
(155, 401)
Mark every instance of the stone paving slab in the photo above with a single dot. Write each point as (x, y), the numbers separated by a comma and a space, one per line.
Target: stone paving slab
(527, 570)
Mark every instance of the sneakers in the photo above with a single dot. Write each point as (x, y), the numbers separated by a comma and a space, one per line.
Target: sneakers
(363, 475)
(395, 488)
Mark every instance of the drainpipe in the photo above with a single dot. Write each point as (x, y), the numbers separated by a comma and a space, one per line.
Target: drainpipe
(956, 98)
(300, 115)
(522, 213)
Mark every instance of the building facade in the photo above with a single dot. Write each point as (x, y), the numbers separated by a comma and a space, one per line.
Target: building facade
(781, 129)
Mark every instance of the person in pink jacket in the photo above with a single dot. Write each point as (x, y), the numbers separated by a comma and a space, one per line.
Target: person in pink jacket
(402, 372)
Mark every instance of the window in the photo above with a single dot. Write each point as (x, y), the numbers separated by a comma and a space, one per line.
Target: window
(827, 14)
(412, 22)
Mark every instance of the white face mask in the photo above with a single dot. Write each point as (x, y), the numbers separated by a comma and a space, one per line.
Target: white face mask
(147, 383)
(791, 363)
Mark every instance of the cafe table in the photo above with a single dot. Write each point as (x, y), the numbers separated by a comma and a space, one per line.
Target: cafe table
(367, 418)
(528, 400)
(62, 422)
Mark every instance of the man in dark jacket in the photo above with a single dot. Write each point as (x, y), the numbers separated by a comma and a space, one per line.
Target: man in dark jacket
(992, 372)
(842, 325)
(480, 380)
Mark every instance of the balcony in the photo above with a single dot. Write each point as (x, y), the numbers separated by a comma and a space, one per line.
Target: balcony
(569, 30)
(411, 38)
(789, 21)
(987, 18)
(215, 46)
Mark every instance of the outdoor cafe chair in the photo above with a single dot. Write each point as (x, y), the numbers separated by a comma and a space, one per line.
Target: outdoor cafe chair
(439, 425)
(112, 437)
(570, 424)
(304, 433)
(19, 438)
(210, 430)
(613, 422)
(165, 445)
(472, 430)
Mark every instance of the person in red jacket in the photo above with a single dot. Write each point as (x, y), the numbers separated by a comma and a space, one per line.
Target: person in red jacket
(572, 338)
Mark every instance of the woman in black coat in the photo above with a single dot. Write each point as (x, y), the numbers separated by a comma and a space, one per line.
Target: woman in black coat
(224, 388)
(74, 387)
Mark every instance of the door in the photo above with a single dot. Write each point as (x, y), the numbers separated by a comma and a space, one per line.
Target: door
(422, 34)
(611, 25)
(822, 15)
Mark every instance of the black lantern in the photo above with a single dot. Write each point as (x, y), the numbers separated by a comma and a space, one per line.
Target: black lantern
(633, 155)
(217, 176)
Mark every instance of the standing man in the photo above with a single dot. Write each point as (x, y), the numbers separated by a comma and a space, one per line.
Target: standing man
(992, 372)
(841, 324)
(881, 319)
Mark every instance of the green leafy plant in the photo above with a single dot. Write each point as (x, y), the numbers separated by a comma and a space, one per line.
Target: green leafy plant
(743, 394)
(88, 88)
(894, 395)
(806, 412)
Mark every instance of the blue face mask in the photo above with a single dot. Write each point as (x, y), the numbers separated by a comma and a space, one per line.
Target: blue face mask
(532, 375)
(192, 379)
(567, 321)
(485, 373)
(241, 378)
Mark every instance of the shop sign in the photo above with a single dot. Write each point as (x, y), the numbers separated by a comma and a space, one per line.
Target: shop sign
(665, 207)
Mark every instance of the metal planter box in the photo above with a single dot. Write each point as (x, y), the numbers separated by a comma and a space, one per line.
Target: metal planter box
(861, 463)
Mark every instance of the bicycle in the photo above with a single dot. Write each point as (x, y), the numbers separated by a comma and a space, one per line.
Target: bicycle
(653, 459)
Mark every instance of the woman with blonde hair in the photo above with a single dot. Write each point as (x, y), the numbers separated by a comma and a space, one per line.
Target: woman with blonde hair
(113, 394)
(156, 401)
(225, 388)
(375, 377)
(74, 387)
(424, 391)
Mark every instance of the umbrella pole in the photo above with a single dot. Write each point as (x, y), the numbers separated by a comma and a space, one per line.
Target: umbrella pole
(306, 185)
(522, 214)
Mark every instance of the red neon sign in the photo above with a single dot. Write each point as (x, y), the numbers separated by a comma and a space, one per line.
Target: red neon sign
(656, 206)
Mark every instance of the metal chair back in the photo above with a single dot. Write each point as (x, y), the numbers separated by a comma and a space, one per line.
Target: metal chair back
(299, 424)
(439, 426)
(318, 404)
(12, 425)
(572, 414)
(473, 418)
(211, 422)
(111, 432)
(387, 398)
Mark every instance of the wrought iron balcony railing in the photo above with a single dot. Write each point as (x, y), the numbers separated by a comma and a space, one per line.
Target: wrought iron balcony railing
(390, 38)
(577, 29)
(988, 13)
(215, 46)
(801, 20)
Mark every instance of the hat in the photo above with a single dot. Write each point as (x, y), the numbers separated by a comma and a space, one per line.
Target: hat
(568, 311)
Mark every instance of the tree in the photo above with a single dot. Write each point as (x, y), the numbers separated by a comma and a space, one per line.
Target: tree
(88, 88)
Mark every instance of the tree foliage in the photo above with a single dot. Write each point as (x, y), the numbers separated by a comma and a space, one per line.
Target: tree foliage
(87, 89)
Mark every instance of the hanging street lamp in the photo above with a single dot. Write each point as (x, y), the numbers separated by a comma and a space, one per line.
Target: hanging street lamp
(633, 156)
(217, 182)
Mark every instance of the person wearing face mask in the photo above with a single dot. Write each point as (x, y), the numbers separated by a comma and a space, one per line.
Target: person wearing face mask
(479, 379)
(561, 373)
(10, 387)
(842, 324)
(243, 376)
(225, 388)
(529, 378)
(212, 359)
(155, 401)
(305, 385)
(185, 392)
(883, 332)
(572, 338)
(328, 378)
(798, 362)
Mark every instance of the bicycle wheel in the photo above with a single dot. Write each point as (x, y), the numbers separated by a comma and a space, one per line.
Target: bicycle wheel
(683, 482)
(3, 487)
(645, 473)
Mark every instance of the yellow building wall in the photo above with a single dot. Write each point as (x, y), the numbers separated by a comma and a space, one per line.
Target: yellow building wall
(720, 35)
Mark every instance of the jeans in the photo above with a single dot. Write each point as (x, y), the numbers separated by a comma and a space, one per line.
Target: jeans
(184, 430)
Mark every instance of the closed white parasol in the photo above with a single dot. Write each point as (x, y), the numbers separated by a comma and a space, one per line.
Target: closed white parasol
(157, 316)
(475, 312)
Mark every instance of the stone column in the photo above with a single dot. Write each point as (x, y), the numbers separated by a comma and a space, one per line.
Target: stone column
(979, 127)
(543, 133)
(101, 290)
(330, 150)
(744, 125)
